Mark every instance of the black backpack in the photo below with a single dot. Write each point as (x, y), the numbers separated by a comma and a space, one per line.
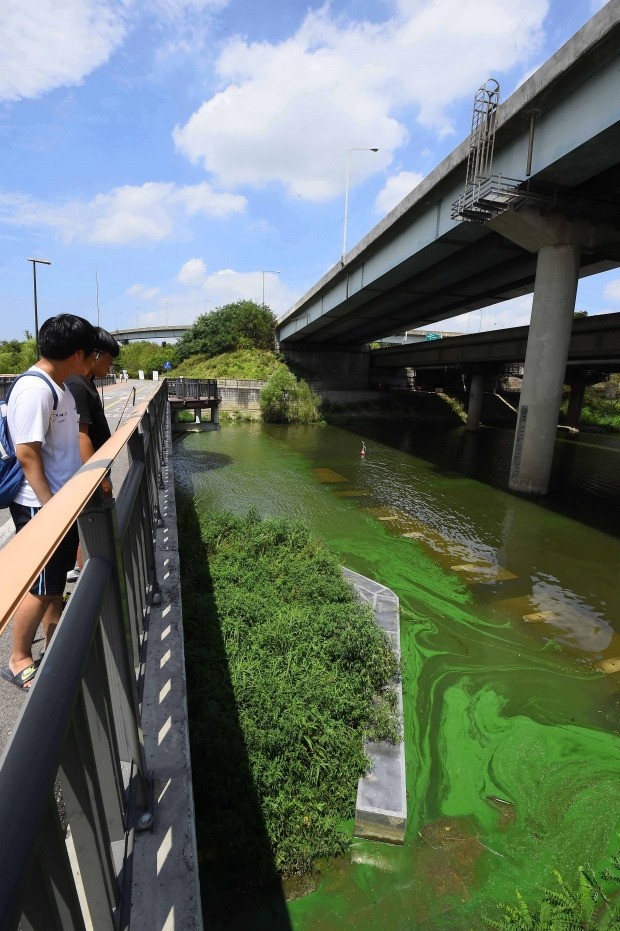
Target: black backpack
(11, 473)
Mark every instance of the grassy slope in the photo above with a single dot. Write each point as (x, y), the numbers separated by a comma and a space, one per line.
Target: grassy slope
(244, 363)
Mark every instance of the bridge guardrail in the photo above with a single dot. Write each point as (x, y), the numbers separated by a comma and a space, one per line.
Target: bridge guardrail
(81, 720)
(192, 387)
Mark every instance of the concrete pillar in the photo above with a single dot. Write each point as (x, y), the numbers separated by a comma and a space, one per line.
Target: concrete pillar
(474, 408)
(555, 289)
(575, 401)
(215, 414)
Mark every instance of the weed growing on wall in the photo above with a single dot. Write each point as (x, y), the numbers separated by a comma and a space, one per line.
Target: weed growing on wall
(287, 676)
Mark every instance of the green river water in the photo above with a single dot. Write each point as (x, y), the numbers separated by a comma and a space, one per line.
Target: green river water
(511, 726)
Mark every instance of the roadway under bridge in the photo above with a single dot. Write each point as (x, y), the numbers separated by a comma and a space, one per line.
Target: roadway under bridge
(547, 214)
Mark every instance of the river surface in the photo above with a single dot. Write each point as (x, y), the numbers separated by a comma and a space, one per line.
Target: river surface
(508, 608)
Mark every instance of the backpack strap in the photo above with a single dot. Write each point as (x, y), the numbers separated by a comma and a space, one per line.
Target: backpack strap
(35, 375)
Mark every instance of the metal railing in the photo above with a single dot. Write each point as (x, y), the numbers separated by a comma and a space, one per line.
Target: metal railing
(6, 381)
(192, 388)
(80, 725)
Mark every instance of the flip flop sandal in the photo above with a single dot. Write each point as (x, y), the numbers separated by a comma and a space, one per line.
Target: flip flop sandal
(20, 679)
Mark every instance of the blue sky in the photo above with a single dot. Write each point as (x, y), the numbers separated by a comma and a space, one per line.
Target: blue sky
(176, 150)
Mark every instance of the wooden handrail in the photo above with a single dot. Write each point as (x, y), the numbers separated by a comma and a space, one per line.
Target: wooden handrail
(23, 557)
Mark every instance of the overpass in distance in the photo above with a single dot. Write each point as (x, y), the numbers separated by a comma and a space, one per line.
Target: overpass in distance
(547, 212)
(128, 334)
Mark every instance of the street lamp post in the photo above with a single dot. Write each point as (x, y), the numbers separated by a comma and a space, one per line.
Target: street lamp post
(267, 271)
(346, 198)
(36, 310)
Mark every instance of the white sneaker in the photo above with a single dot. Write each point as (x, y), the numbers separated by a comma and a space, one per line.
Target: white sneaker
(73, 575)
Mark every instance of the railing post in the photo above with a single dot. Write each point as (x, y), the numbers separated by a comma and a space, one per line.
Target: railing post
(137, 448)
(100, 537)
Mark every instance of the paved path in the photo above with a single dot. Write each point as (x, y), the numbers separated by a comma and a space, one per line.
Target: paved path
(118, 402)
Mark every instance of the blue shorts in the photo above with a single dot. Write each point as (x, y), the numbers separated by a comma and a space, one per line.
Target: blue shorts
(53, 577)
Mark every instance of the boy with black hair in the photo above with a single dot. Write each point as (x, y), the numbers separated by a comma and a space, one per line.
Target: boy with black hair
(94, 429)
(93, 425)
(46, 444)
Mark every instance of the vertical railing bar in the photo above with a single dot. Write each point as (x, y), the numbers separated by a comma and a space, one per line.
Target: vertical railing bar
(139, 517)
(101, 535)
(98, 708)
(86, 816)
(52, 901)
(130, 586)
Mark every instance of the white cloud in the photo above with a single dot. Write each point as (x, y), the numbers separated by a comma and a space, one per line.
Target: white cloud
(395, 188)
(47, 44)
(612, 290)
(193, 272)
(129, 215)
(223, 287)
(140, 290)
(289, 112)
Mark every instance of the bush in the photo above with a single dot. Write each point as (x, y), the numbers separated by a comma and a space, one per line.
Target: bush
(286, 399)
(287, 675)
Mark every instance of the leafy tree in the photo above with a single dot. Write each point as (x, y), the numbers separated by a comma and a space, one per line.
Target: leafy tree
(241, 325)
(286, 399)
(580, 313)
(16, 356)
(142, 355)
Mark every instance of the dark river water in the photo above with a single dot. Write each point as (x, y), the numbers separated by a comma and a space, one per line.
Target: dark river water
(510, 615)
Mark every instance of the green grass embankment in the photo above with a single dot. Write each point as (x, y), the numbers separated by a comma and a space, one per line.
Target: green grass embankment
(255, 364)
(600, 412)
(287, 676)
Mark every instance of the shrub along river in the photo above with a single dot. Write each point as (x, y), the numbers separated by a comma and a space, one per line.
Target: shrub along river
(508, 606)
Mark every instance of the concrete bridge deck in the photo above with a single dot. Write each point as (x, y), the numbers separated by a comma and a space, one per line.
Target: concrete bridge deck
(595, 342)
(418, 265)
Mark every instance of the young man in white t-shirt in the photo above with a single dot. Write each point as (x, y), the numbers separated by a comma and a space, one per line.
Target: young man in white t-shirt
(47, 447)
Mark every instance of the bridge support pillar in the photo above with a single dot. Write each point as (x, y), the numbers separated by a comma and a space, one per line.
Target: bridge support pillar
(553, 307)
(558, 241)
(575, 401)
(474, 407)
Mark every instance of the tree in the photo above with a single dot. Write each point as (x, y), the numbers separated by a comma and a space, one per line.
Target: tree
(241, 325)
(142, 355)
(16, 357)
(286, 399)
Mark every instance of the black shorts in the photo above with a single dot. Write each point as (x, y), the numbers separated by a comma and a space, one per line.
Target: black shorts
(53, 577)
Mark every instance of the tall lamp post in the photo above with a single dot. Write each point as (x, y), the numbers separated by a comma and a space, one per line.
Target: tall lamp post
(267, 271)
(346, 199)
(36, 262)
